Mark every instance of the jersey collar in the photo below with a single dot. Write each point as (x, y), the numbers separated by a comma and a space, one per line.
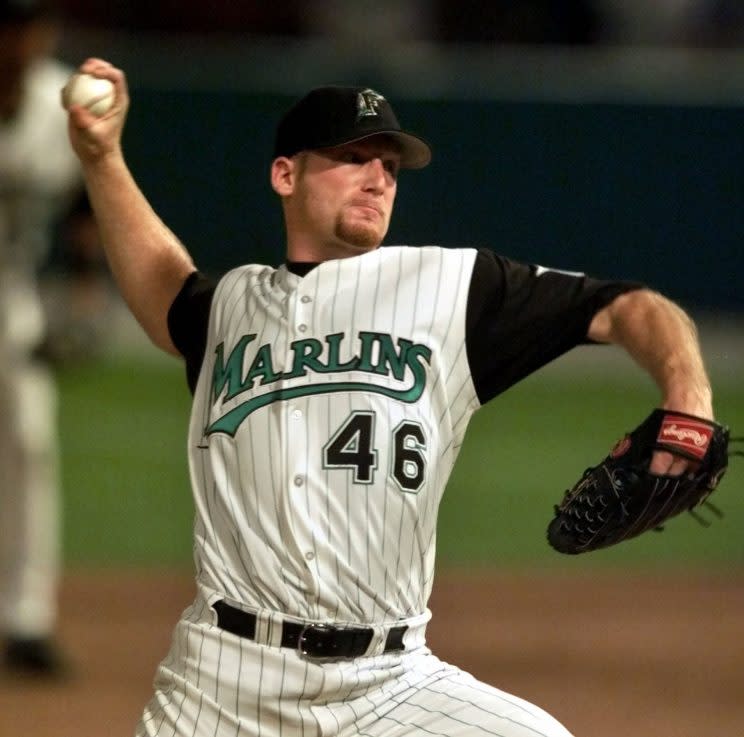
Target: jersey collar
(300, 268)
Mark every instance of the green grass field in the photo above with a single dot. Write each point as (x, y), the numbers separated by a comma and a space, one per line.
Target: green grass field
(127, 497)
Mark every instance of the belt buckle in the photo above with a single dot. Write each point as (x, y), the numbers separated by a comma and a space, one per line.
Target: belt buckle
(314, 638)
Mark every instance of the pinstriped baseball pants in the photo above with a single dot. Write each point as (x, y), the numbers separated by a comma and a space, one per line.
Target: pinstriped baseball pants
(215, 684)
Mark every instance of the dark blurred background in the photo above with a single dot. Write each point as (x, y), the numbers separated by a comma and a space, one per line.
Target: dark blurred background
(692, 23)
(595, 135)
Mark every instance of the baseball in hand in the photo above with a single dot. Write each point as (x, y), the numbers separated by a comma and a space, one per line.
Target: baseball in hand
(91, 92)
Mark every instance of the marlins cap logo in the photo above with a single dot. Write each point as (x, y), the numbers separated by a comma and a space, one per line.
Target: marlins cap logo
(367, 103)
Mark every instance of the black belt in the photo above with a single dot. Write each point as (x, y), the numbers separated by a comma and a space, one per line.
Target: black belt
(316, 640)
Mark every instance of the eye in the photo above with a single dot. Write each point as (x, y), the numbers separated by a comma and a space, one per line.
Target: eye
(351, 157)
(391, 167)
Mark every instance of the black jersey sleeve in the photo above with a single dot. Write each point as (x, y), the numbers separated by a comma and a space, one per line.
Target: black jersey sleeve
(522, 316)
(188, 322)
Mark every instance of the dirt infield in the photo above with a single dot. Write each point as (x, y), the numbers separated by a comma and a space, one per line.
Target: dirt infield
(609, 655)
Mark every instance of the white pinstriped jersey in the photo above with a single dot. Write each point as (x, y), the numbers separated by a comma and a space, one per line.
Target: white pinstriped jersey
(327, 418)
(328, 413)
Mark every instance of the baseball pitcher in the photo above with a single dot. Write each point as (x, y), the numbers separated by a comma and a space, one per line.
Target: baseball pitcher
(331, 398)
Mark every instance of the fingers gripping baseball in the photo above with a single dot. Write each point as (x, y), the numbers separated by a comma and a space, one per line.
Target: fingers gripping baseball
(95, 135)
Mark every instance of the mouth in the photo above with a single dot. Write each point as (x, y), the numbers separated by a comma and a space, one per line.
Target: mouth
(367, 208)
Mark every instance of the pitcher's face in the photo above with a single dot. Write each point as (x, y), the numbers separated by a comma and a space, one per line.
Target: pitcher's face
(344, 195)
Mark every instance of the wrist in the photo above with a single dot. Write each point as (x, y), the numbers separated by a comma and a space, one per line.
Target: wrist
(697, 402)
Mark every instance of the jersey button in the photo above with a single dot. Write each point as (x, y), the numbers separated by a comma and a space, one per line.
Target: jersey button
(297, 414)
(299, 481)
(305, 299)
(309, 555)
(302, 328)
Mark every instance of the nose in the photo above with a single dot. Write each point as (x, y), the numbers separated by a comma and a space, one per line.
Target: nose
(375, 175)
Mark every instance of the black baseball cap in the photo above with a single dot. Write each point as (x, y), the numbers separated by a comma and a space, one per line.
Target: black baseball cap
(331, 116)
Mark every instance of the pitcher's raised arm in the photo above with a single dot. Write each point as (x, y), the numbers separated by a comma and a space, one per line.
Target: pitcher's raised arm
(147, 260)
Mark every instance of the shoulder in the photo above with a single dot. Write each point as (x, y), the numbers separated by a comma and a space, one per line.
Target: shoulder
(424, 251)
(246, 277)
(428, 274)
(247, 272)
(416, 257)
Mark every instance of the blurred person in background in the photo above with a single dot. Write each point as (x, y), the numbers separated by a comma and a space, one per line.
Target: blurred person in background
(39, 182)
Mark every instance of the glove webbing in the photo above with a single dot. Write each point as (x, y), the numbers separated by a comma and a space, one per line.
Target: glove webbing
(707, 503)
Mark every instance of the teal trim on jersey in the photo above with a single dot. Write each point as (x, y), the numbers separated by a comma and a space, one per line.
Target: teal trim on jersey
(230, 422)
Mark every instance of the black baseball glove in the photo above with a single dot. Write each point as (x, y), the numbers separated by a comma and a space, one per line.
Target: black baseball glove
(620, 498)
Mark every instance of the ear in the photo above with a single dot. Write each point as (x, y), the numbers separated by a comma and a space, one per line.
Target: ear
(283, 176)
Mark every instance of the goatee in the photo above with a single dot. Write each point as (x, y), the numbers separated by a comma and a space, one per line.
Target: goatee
(358, 235)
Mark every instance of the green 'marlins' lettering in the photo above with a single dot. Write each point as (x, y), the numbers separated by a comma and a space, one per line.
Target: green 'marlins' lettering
(306, 354)
(387, 359)
(262, 367)
(377, 355)
(230, 374)
(334, 350)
